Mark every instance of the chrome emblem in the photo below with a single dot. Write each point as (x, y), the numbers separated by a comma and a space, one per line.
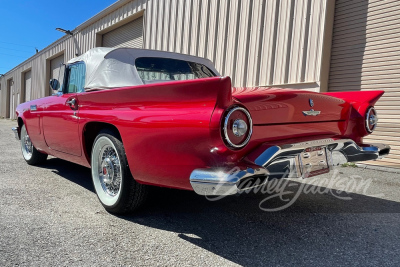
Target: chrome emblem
(311, 112)
(311, 102)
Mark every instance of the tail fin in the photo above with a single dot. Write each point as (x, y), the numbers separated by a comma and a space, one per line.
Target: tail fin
(358, 99)
(224, 98)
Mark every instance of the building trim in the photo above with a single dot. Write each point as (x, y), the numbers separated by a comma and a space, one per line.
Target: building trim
(327, 45)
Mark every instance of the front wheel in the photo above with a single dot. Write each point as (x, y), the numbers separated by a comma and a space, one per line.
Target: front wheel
(115, 187)
(31, 155)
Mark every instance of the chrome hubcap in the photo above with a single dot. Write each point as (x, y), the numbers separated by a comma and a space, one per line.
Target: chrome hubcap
(109, 170)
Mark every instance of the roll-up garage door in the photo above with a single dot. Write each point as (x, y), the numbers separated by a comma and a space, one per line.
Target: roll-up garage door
(366, 56)
(128, 35)
(27, 85)
(55, 65)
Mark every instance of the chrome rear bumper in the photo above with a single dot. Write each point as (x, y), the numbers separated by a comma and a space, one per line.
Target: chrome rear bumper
(226, 181)
(282, 161)
(16, 132)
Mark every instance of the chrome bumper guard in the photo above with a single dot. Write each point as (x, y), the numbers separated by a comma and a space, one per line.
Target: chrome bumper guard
(16, 132)
(284, 161)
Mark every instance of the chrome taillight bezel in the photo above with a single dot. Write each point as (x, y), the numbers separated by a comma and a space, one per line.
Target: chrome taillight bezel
(225, 127)
(371, 111)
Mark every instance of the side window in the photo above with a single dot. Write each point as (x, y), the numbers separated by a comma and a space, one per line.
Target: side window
(76, 78)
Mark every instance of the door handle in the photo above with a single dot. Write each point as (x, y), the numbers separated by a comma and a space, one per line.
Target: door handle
(71, 102)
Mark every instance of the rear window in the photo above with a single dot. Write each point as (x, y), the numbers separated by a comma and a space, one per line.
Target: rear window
(153, 70)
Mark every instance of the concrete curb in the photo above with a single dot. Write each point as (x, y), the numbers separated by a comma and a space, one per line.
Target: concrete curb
(378, 168)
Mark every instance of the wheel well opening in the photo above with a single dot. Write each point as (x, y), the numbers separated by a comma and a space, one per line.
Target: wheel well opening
(20, 122)
(90, 133)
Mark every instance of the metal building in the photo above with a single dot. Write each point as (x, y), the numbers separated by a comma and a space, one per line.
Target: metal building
(319, 45)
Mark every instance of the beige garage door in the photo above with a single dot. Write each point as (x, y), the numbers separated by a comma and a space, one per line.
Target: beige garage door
(366, 56)
(128, 35)
(11, 99)
(55, 65)
(27, 85)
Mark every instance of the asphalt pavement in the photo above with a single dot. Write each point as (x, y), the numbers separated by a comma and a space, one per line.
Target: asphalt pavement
(50, 216)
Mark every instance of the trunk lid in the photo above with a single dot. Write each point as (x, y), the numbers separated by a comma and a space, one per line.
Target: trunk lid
(284, 106)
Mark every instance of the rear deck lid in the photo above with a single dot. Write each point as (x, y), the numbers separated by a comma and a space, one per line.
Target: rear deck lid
(283, 106)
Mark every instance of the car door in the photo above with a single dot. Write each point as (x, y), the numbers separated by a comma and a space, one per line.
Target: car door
(60, 117)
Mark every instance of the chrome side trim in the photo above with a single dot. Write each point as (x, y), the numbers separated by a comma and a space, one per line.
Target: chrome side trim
(16, 132)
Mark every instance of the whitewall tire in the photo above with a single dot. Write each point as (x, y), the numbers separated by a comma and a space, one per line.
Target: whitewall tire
(115, 187)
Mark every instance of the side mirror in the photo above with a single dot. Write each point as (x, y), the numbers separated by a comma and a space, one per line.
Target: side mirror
(54, 84)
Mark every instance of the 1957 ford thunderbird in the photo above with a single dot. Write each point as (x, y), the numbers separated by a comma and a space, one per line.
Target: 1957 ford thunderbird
(141, 117)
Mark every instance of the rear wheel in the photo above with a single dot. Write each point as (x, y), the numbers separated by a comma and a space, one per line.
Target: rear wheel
(31, 155)
(115, 187)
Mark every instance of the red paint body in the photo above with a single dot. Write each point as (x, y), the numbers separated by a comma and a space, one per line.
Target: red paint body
(169, 129)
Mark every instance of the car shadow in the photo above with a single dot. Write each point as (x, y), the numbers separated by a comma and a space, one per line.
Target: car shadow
(314, 228)
(236, 229)
(75, 173)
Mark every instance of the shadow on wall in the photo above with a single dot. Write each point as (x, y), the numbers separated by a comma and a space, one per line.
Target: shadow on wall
(348, 45)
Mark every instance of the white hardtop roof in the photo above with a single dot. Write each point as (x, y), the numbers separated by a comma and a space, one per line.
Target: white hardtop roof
(115, 67)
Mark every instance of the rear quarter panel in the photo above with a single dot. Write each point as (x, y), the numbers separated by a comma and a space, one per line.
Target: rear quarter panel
(164, 127)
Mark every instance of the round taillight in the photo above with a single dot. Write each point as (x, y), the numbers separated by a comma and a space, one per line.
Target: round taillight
(238, 127)
(371, 119)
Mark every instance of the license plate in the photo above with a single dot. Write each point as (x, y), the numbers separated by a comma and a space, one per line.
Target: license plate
(314, 161)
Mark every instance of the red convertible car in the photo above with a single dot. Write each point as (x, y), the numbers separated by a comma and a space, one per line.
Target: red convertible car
(141, 117)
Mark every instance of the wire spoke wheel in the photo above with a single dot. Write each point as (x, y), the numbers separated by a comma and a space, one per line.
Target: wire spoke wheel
(109, 168)
(31, 155)
(26, 144)
(106, 171)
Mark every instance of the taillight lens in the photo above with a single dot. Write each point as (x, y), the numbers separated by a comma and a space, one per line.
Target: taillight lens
(237, 128)
(371, 119)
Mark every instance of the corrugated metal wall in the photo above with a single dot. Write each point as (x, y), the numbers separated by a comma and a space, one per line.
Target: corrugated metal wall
(366, 56)
(264, 42)
(256, 42)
